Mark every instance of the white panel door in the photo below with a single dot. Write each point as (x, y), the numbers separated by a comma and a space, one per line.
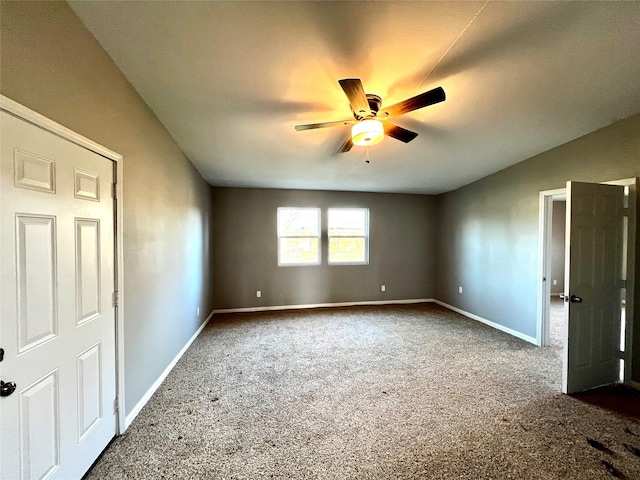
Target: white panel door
(57, 326)
(593, 285)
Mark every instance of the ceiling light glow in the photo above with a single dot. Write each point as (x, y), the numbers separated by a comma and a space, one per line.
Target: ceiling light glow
(367, 132)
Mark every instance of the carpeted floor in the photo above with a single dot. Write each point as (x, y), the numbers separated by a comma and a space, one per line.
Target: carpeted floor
(391, 392)
(556, 323)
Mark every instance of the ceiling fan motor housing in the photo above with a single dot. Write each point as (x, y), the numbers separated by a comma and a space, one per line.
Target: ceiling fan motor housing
(374, 105)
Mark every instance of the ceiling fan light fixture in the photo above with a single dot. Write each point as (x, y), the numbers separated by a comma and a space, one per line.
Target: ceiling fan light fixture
(367, 132)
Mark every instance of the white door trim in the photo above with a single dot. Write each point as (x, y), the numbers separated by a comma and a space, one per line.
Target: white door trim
(18, 110)
(544, 262)
(544, 266)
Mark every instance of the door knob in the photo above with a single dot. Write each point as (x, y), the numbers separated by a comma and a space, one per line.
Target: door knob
(7, 389)
(576, 299)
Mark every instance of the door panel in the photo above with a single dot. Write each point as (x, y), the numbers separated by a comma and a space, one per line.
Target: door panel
(57, 323)
(594, 256)
(36, 272)
(33, 171)
(40, 428)
(89, 390)
(87, 269)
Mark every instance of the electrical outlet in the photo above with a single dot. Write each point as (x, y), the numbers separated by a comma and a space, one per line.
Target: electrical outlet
(459, 289)
(555, 282)
(258, 294)
(383, 288)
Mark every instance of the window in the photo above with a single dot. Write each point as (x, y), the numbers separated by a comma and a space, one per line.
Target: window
(298, 236)
(348, 236)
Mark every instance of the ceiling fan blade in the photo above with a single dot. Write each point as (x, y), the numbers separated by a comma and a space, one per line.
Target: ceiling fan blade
(312, 126)
(425, 99)
(399, 133)
(346, 145)
(354, 91)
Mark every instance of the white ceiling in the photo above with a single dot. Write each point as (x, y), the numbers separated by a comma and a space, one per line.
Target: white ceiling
(229, 80)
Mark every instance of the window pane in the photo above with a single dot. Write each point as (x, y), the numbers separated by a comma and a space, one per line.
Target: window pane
(299, 222)
(299, 250)
(346, 222)
(346, 250)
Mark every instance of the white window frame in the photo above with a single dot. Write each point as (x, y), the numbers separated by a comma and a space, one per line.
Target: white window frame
(319, 237)
(365, 237)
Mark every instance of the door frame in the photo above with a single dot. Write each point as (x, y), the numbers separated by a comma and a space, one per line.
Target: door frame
(544, 267)
(14, 108)
(547, 198)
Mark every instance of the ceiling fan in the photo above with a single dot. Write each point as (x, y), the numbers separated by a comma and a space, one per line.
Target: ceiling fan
(370, 124)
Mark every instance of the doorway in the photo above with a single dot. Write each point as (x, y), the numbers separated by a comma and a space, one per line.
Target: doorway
(557, 270)
(554, 299)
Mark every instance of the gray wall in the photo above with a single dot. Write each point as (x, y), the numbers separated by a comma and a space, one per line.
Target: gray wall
(559, 220)
(488, 231)
(51, 64)
(245, 257)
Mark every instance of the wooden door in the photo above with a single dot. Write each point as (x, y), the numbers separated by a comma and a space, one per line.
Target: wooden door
(593, 285)
(57, 325)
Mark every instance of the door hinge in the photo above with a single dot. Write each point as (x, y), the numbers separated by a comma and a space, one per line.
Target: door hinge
(116, 298)
(115, 405)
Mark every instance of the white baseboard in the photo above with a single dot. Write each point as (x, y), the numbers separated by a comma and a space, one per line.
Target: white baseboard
(633, 384)
(495, 325)
(147, 396)
(322, 305)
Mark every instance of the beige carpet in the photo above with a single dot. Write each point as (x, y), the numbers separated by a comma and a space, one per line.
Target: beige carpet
(556, 322)
(393, 392)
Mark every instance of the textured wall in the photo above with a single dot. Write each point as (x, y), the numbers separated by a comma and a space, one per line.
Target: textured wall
(245, 250)
(488, 231)
(51, 64)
